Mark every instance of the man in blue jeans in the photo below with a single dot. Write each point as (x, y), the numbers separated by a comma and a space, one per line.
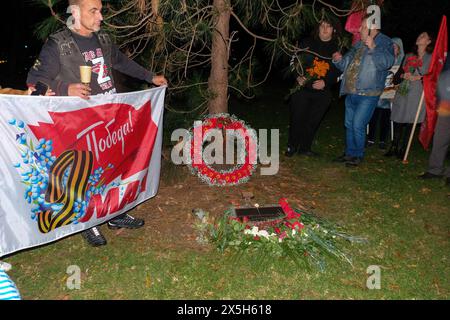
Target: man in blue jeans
(365, 68)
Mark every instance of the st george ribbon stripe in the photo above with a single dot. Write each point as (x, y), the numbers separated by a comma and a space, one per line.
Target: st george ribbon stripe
(81, 163)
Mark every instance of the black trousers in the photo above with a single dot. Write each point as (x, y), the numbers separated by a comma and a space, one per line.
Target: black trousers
(307, 109)
(381, 117)
(402, 132)
(441, 144)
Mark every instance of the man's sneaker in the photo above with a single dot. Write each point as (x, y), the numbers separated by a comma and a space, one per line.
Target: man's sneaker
(370, 143)
(353, 162)
(428, 175)
(382, 145)
(94, 237)
(125, 221)
(342, 158)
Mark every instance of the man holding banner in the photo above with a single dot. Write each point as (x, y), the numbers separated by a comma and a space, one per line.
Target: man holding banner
(84, 44)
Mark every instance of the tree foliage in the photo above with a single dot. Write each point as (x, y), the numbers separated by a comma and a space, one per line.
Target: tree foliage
(176, 37)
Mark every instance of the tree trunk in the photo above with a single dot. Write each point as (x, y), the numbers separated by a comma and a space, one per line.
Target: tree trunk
(218, 80)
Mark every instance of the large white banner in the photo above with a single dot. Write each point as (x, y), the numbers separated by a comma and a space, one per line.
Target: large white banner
(67, 164)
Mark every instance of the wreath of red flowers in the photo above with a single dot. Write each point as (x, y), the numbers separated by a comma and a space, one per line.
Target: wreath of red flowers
(237, 175)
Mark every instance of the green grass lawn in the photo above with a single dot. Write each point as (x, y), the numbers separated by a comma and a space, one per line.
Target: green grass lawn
(406, 221)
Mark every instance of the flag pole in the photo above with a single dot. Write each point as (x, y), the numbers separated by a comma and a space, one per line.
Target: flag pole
(392, 124)
(411, 137)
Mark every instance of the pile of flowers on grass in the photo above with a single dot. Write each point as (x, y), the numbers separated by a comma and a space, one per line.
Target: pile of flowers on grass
(297, 235)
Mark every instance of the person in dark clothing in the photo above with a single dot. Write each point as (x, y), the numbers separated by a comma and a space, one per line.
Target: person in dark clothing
(91, 53)
(441, 141)
(83, 43)
(310, 102)
(381, 118)
(65, 51)
(382, 114)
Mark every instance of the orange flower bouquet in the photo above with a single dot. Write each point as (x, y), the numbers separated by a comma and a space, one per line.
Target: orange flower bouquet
(318, 71)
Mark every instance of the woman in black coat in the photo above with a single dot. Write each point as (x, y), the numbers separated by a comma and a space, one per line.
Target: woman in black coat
(310, 102)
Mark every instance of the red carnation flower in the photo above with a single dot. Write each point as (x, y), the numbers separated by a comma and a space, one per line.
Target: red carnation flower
(297, 225)
(283, 235)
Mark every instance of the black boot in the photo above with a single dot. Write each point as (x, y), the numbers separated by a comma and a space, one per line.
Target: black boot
(428, 175)
(342, 159)
(393, 150)
(353, 162)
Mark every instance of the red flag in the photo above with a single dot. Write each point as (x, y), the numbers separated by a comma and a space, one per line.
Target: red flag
(430, 85)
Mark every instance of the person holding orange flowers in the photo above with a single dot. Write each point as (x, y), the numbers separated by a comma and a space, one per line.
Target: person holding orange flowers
(311, 97)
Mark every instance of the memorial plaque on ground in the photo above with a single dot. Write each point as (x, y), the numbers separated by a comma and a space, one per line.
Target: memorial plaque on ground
(260, 213)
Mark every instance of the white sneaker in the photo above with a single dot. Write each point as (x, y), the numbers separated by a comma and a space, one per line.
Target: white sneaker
(5, 266)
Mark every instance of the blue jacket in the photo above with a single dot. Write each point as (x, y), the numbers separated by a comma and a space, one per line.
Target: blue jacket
(374, 67)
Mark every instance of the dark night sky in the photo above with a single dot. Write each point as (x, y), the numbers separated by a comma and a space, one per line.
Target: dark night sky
(404, 18)
(408, 18)
(19, 45)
